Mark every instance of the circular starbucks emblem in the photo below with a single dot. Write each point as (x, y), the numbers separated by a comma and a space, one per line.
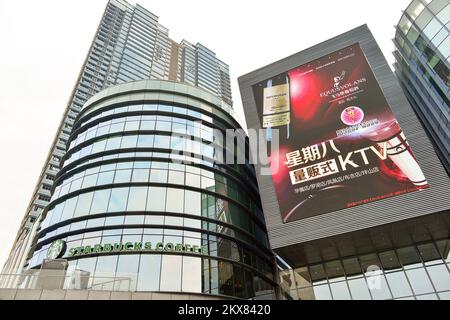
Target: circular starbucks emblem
(56, 249)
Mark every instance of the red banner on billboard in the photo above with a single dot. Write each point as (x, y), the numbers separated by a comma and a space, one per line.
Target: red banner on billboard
(340, 143)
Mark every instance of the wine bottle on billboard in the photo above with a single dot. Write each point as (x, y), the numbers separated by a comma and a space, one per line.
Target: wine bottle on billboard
(276, 113)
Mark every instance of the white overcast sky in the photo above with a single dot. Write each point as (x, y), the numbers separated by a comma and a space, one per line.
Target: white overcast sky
(44, 43)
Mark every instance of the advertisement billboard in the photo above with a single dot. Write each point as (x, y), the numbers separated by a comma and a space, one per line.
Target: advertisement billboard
(340, 144)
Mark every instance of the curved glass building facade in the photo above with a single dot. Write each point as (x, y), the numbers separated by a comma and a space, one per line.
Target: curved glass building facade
(422, 42)
(141, 195)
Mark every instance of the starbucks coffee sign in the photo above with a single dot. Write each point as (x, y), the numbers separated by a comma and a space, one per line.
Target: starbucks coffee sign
(56, 249)
(135, 247)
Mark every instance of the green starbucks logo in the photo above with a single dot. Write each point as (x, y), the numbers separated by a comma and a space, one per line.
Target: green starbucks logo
(56, 249)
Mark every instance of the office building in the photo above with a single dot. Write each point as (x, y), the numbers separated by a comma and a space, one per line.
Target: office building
(422, 42)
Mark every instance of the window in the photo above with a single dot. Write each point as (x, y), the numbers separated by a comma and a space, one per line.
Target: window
(129, 141)
(83, 205)
(162, 142)
(176, 177)
(358, 289)
(340, 291)
(118, 200)
(171, 273)
(127, 267)
(192, 274)
(69, 208)
(137, 199)
(105, 270)
(100, 201)
(398, 284)
(192, 203)
(105, 178)
(175, 200)
(122, 176)
(419, 281)
(159, 176)
(145, 141)
(140, 175)
(156, 199)
(149, 272)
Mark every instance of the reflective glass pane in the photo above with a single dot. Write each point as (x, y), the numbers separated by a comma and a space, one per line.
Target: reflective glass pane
(358, 289)
(419, 281)
(171, 273)
(398, 284)
(118, 199)
(322, 292)
(127, 268)
(100, 201)
(192, 274)
(440, 276)
(137, 199)
(156, 200)
(149, 272)
(175, 200)
(340, 291)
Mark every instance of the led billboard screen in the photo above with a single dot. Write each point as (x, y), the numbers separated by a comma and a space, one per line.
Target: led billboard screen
(340, 143)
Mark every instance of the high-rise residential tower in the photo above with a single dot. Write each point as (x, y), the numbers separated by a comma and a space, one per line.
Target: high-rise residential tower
(129, 45)
(422, 42)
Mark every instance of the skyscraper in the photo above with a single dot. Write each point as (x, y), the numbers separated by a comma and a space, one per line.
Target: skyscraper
(422, 42)
(129, 45)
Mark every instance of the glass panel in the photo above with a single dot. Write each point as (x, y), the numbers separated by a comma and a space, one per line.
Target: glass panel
(69, 208)
(137, 199)
(140, 175)
(322, 292)
(100, 201)
(129, 141)
(149, 272)
(192, 274)
(83, 204)
(159, 176)
(127, 269)
(317, 273)
(359, 290)
(352, 267)
(145, 141)
(225, 278)
(122, 176)
(398, 284)
(440, 277)
(369, 262)
(334, 270)
(378, 286)
(118, 200)
(87, 265)
(409, 257)
(389, 260)
(429, 253)
(419, 281)
(171, 273)
(192, 203)
(175, 200)
(156, 200)
(105, 178)
(340, 291)
(104, 272)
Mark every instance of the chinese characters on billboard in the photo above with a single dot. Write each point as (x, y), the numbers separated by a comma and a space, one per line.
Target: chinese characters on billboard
(340, 143)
